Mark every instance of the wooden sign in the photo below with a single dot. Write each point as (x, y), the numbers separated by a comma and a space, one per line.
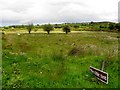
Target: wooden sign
(101, 75)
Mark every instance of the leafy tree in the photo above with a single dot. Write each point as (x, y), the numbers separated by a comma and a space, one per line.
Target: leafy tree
(117, 26)
(101, 26)
(92, 23)
(111, 26)
(48, 28)
(57, 26)
(38, 25)
(30, 26)
(66, 29)
(76, 26)
(6, 27)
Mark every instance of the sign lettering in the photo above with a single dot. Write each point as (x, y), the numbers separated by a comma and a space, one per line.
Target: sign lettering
(101, 75)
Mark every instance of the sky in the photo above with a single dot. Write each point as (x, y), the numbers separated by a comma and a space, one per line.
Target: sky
(57, 11)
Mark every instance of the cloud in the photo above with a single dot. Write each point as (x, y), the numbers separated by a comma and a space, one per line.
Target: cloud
(50, 11)
(119, 12)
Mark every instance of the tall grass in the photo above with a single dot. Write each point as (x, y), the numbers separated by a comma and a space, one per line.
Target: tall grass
(58, 60)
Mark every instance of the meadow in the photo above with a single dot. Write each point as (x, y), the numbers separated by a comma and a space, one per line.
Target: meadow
(58, 60)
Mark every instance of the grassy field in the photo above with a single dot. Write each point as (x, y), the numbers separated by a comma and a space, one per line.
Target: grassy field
(58, 60)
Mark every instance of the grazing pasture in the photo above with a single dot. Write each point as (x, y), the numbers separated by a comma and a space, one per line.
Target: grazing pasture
(58, 60)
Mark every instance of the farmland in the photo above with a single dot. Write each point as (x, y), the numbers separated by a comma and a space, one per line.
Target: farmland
(58, 60)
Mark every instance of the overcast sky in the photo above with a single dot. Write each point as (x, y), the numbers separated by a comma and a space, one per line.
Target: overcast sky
(57, 11)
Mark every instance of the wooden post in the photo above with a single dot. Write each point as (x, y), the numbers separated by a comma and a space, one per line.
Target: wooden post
(103, 64)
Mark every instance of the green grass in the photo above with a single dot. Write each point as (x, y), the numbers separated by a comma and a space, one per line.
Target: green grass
(58, 60)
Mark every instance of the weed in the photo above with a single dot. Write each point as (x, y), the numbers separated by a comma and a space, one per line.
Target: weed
(58, 60)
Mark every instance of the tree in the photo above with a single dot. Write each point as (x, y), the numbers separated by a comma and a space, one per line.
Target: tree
(57, 26)
(91, 22)
(76, 26)
(29, 27)
(66, 29)
(48, 28)
(111, 26)
(117, 26)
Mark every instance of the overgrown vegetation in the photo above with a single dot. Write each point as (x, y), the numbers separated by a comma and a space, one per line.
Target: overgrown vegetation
(58, 60)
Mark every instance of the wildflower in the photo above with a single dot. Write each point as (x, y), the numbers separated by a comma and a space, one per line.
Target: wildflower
(18, 34)
(40, 72)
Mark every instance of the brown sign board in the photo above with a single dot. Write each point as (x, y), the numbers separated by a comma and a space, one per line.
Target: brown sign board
(101, 75)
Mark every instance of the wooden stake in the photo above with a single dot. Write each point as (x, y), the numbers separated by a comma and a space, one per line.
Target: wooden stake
(103, 63)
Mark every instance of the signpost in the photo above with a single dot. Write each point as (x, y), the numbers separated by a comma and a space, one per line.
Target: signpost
(101, 75)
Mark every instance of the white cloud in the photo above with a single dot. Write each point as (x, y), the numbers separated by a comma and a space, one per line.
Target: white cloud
(46, 11)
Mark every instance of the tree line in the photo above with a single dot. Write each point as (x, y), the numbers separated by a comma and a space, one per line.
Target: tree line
(49, 27)
(66, 27)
